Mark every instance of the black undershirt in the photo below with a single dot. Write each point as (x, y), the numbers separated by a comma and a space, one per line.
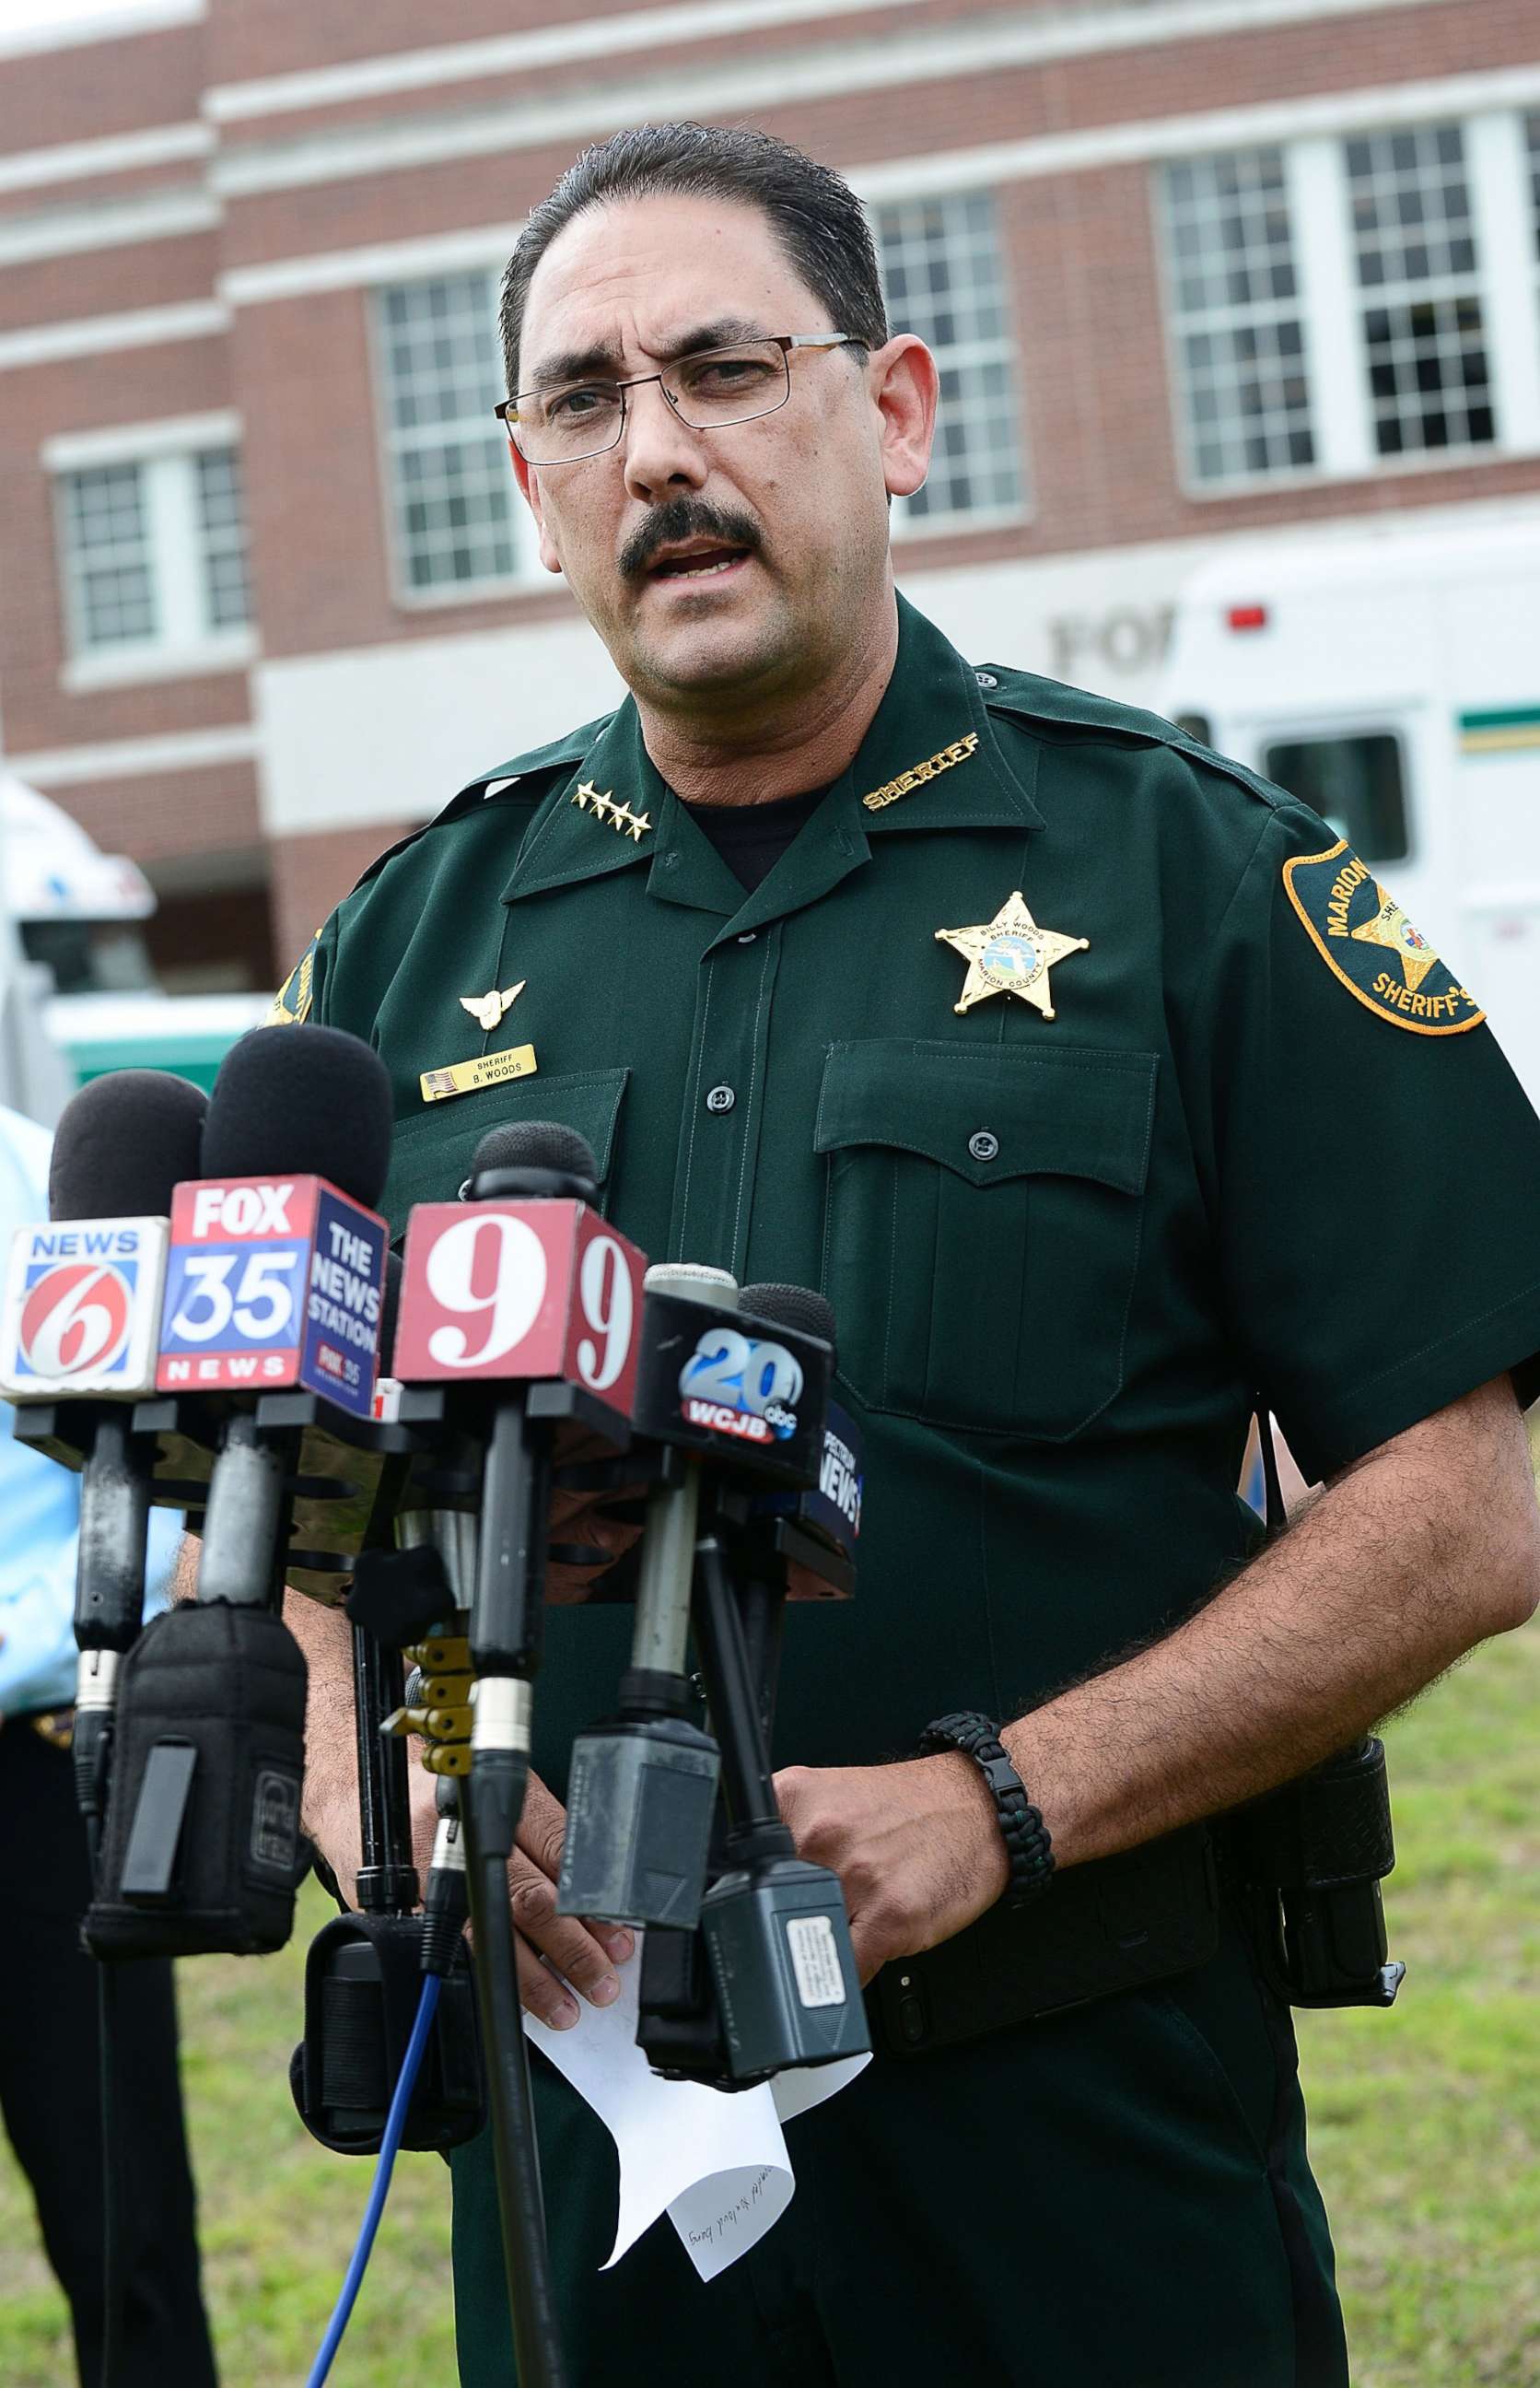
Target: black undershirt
(752, 838)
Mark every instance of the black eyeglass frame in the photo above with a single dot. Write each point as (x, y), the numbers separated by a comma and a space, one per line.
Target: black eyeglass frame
(506, 409)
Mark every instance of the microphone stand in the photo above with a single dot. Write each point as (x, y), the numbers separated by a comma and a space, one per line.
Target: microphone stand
(505, 1650)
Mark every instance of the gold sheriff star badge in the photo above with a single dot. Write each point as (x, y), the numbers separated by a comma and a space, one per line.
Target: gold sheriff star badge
(1391, 928)
(1010, 955)
(487, 1009)
(602, 804)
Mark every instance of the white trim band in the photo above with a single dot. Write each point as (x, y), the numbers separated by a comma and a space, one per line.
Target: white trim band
(550, 45)
(390, 260)
(90, 336)
(74, 161)
(68, 232)
(73, 451)
(151, 16)
(1188, 136)
(133, 758)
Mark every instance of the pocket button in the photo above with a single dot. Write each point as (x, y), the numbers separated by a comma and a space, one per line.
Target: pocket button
(983, 1146)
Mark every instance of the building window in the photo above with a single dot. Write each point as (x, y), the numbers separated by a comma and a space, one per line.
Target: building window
(1237, 321)
(221, 538)
(154, 554)
(1415, 244)
(453, 499)
(941, 277)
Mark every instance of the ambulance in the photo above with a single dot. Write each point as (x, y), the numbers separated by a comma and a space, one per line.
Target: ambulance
(78, 989)
(1391, 678)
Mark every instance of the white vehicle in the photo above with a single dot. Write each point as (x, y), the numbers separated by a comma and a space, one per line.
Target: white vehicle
(1392, 680)
(78, 976)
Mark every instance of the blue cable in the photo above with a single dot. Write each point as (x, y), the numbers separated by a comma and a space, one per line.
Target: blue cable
(395, 2123)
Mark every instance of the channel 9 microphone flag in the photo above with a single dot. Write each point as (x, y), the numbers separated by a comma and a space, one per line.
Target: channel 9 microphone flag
(271, 1312)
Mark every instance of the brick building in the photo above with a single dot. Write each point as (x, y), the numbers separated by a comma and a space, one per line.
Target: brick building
(1194, 269)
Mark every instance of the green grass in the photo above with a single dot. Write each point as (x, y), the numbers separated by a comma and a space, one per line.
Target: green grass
(1425, 2123)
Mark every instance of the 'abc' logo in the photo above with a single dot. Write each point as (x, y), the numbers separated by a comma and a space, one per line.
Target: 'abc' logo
(75, 1318)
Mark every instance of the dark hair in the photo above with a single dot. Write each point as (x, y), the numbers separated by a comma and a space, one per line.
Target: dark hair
(815, 216)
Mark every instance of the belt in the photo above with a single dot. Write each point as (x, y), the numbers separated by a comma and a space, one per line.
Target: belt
(1122, 1922)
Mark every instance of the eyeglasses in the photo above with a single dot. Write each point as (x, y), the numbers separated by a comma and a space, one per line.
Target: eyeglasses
(565, 421)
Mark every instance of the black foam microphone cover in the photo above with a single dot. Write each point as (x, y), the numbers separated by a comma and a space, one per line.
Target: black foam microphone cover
(796, 1307)
(301, 1103)
(535, 1144)
(122, 1143)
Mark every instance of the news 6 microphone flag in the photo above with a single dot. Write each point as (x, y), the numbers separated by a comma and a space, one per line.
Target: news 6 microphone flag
(82, 1308)
(271, 1282)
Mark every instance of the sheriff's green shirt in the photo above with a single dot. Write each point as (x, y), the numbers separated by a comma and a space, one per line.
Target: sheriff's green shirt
(1068, 1232)
(1101, 1091)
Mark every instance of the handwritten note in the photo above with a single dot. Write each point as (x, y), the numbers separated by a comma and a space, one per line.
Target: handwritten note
(715, 2164)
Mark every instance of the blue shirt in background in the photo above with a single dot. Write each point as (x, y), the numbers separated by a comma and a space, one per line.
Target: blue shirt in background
(39, 1501)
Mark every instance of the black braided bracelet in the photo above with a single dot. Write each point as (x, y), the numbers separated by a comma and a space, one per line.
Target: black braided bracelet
(1025, 1834)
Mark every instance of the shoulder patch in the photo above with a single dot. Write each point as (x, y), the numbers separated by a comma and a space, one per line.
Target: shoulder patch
(1366, 941)
(291, 1003)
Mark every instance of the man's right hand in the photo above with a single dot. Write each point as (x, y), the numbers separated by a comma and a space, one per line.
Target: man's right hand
(585, 1954)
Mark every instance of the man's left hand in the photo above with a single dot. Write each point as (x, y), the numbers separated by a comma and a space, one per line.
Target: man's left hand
(916, 1847)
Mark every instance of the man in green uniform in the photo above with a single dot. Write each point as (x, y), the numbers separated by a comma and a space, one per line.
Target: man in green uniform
(1101, 1091)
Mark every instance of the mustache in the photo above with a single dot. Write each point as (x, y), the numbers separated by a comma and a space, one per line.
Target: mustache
(680, 518)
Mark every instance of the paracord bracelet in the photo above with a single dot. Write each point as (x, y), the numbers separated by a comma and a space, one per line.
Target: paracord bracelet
(1026, 1836)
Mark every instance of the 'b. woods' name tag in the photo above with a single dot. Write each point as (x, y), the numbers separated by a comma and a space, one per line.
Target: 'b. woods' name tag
(465, 1077)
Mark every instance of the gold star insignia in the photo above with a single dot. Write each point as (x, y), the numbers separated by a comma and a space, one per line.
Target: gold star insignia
(1391, 928)
(1010, 955)
(487, 1009)
(601, 802)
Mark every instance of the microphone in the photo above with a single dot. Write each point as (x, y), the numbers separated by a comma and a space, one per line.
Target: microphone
(274, 1278)
(749, 1407)
(519, 1310)
(641, 1787)
(269, 1321)
(770, 1981)
(82, 1310)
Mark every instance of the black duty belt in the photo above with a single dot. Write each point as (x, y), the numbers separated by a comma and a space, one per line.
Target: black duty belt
(1115, 1924)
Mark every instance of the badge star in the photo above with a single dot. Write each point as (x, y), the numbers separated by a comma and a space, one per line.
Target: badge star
(487, 1009)
(1010, 955)
(1391, 928)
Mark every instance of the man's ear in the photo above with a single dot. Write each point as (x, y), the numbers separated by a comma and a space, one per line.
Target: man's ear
(530, 489)
(904, 384)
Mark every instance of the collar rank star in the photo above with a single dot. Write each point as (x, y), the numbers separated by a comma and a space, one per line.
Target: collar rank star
(1010, 955)
(487, 1009)
(602, 804)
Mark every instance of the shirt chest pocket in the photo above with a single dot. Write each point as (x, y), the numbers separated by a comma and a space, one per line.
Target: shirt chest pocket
(982, 1226)
(431, 1156)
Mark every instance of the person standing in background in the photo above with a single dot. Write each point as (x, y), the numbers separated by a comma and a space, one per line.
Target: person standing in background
(49, 2072)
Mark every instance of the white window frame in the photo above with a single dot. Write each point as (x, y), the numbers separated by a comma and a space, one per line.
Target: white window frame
(1332, 306)
(1178, 326)
(185, 644)
(527, 574)
(1003, 350)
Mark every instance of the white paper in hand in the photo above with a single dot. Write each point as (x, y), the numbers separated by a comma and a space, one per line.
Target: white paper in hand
(715, 2164)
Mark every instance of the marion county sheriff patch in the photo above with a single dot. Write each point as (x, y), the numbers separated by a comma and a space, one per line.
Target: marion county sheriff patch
(1366, 940)
(291, 1003)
